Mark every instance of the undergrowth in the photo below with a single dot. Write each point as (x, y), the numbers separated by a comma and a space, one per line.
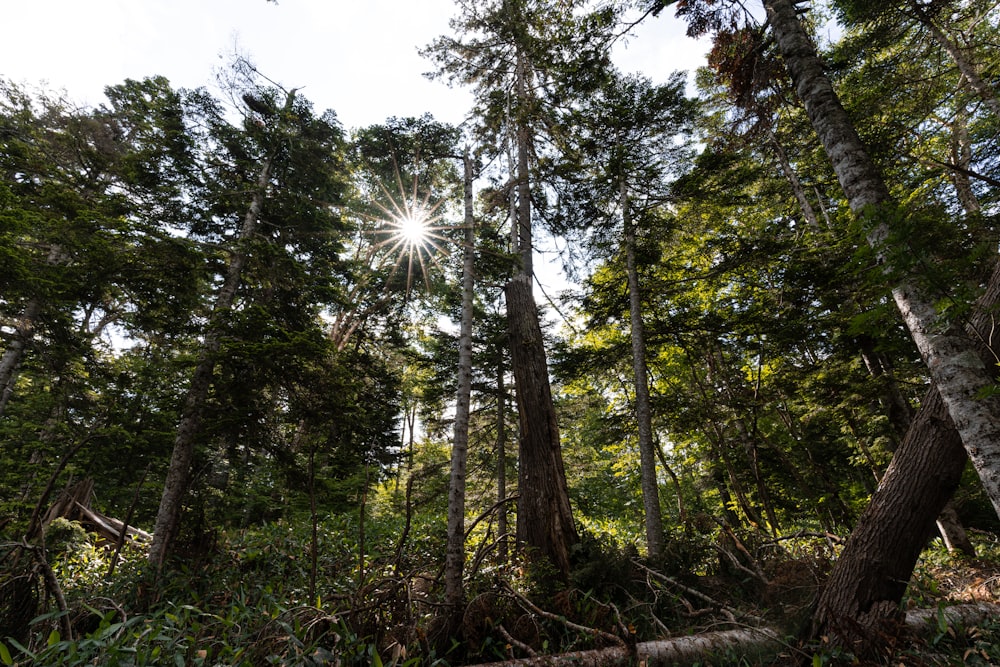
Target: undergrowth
(251, 600)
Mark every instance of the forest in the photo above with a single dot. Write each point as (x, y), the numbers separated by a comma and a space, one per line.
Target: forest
(274, 391)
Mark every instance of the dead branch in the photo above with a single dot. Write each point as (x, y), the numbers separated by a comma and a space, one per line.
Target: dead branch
(595, 632)
(696, 593)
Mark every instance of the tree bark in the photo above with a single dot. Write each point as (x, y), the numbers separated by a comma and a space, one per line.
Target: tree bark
(952, 358)
(861, 599)
(860, 602)
(455, 553)
(901, 417)
(643, 408)
(544, 516)
(501, 451)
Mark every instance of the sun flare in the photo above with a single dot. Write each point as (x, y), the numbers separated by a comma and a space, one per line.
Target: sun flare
(411, 235)
(413, 229)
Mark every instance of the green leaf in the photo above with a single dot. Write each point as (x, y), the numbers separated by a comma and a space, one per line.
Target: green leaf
(5, 656)
(53, 638)
(16, 644)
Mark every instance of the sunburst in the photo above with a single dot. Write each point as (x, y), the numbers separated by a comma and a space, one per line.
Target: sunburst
(411, 231)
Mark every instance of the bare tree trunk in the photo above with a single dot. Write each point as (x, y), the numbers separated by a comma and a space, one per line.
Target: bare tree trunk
(808, 212)
(179, 472)
(952, 358)
(643, 409)
(961, 156)
(455, 553)
(544, 516)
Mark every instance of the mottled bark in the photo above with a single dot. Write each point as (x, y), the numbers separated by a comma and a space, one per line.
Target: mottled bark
(501, 451)
(455, 552)
(861, 600)
(951, 357)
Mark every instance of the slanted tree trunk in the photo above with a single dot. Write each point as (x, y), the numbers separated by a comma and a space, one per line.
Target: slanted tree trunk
(179, 472)
(860, 602)
(455, 554)
(643, 408)
(901, 417)
(865, 588)
(861, 598)
(952, 357)
(965, 66)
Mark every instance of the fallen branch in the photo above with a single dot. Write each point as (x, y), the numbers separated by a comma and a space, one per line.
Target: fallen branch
(595, 632)
(678, 651)
(696, 593)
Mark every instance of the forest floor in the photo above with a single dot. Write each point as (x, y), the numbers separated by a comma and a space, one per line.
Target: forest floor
(256, 597)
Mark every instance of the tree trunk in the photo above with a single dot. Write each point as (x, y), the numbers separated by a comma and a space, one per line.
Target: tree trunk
(901, 417)
(643, 409)
(952, 358)
(808, 212)
(544, 517)
(863, 593)
(748, 643)
(965, 66)
(501, 450)
(860, 602)
(455, 554)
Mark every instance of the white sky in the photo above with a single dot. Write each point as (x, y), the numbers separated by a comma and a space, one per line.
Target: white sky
(357, 57)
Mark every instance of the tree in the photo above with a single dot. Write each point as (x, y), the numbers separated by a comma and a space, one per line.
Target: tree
(455, 557)
(626, 147)
(523, 57)
(289, 157)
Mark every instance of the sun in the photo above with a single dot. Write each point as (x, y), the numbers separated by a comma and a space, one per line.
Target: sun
(413, 229)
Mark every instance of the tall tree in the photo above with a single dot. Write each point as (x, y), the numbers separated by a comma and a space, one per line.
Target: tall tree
(521, 57)
(627, 144)
(455, 556)
(287, 159)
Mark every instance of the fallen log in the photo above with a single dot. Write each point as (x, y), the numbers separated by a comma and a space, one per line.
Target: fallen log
(756, 642)
(74, 504)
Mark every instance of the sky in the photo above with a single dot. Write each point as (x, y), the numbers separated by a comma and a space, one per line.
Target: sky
(357, 57)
